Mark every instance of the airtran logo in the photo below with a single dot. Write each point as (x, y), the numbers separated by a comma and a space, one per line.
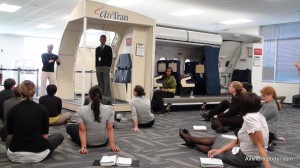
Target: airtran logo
(111, 15)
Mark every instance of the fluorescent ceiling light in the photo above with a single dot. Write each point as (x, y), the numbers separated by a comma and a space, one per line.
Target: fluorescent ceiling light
(123, 3)
(188, 12)
(44, 26)
(66, 17)
(235, 21)
(9, 8)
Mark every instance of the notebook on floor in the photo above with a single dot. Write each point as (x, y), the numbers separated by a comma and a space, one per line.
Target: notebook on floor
(199, 128)
(115, 160)
(211, 162)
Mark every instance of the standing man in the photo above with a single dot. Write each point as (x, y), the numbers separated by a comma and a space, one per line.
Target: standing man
(48, 60)
(103, 64)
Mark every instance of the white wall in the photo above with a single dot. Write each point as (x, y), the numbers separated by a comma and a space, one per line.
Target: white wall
(282, 89)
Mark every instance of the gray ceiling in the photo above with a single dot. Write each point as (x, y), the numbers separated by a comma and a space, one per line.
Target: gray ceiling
(262, 12)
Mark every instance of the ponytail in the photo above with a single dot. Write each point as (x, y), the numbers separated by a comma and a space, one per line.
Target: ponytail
(96, 108)
(96, 96)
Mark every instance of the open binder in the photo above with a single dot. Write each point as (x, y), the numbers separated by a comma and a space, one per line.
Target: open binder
(115, 161)
(211, 162)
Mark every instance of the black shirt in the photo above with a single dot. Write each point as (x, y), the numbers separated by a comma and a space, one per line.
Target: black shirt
(48, 67)
(4, 95)
(103, 56)
(27, 122)
(53, 104)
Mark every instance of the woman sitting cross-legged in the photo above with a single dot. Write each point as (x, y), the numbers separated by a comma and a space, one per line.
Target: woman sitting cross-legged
(54, 106)
(222, 120)
(252, 138)
(94, 126)
(167, 91)
(140, 109)
(27, 127)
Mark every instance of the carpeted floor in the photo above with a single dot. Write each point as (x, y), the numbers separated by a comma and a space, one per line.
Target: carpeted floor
(160, 146)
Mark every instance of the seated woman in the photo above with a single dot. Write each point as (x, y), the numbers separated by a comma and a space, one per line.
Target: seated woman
(270, 111)
(27, 127)
(222, 120)
(54, 105)
(140, 109)
(252, 138)
(167, 91)
(94, 126)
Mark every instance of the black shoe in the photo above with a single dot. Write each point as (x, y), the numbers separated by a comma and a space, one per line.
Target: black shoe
(205, 116)
(224, 129)
(160, 112)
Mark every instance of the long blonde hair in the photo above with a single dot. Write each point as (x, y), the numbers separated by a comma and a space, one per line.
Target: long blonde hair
(27, 89)
(269, 90)
(240, 90)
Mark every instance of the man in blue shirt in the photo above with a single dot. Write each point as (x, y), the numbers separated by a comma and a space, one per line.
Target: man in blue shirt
(48, 60)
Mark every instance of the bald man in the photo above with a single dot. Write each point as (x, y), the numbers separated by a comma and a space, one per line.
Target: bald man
(48, 73)
(298, 67)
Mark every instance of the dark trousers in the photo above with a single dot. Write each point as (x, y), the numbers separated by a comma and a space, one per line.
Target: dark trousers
(232, 122)
(147, 125)
(157, 103)
(220, 108)
(3, 133)
(54, 141)
(103, 79)
(271, 137)
(73, 131)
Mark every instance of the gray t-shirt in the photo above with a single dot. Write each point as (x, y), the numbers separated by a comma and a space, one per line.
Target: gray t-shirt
(140, 110)
(252, 122)
(96, 133)
(270, 112)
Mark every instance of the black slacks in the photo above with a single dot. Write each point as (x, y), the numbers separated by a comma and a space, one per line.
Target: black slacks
(157, 103)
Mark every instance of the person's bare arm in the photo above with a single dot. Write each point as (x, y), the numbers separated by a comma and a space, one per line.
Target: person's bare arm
(258, 140)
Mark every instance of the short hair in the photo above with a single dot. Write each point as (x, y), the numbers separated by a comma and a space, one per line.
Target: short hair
(27, 89)
(16, 91)
(51, 89)
(250, 103)
(103, 36)
(139, 90)
(8, 83)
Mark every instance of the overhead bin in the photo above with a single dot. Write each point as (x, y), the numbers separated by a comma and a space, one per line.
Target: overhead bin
(206, 38)
(171, 34)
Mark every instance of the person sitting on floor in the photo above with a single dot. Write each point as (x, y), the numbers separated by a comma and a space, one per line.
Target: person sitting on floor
(94, 126)
(27, 128)
(7, 106)
(222, 120)
(140, 109)
(270, 110)
(167, 91)
(252, 138)
(54, 106)
(6, 93)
